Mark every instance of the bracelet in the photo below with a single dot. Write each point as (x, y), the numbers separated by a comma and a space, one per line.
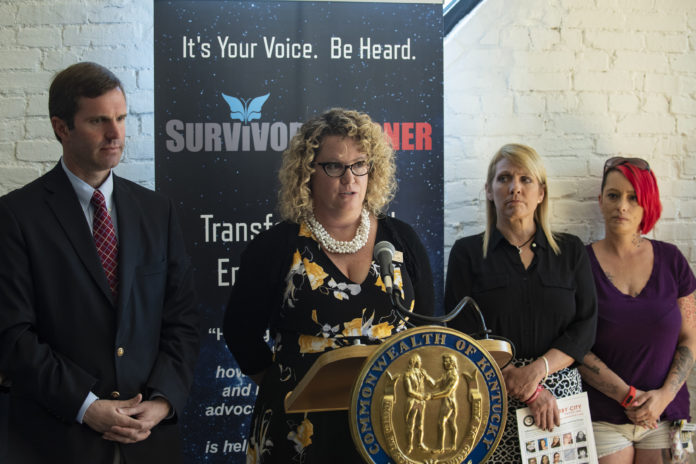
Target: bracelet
(630, 396)
(546, 364)
(535, 395)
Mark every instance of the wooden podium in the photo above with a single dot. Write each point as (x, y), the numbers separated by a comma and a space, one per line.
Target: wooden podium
(328, 383)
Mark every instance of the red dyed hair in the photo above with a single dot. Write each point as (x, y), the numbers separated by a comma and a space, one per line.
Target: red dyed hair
(647, 193)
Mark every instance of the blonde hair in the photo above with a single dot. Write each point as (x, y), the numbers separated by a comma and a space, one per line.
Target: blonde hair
(295, 196)
(527, 158)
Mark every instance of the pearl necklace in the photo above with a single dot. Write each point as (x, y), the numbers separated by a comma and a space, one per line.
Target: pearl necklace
(332, 245)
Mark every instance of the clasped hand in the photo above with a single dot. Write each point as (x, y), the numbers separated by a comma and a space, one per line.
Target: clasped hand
(648, 406)
(128, 421)
(521, 383)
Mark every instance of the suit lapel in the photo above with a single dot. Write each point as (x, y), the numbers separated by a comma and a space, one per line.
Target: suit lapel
(62, 200)
(129, 242)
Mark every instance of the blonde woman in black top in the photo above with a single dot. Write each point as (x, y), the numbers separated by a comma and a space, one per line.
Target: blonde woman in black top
(533, 286)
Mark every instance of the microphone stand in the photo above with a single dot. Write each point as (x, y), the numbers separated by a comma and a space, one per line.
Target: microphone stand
(404, 314)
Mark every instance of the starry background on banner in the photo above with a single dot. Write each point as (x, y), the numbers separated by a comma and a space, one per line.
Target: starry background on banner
(240, 187)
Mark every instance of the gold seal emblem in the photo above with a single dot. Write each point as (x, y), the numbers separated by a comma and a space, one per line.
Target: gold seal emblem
(428, 395)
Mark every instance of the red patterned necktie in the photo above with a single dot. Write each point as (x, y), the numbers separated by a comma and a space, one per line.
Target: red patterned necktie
(105, 240)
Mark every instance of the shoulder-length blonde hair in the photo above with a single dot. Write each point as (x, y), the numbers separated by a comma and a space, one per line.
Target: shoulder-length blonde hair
(295, 196)
(527, 158)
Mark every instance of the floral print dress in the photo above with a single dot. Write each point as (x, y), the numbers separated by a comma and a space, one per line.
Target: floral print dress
(322, 310)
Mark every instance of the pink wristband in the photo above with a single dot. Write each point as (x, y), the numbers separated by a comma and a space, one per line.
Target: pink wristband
(535, 395)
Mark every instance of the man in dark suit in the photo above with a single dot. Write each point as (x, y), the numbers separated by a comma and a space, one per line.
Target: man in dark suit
(98, 319)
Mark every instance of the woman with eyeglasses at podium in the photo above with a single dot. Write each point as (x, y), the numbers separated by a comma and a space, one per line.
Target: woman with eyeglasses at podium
(533, 286)
(313, 282)
(646, 328)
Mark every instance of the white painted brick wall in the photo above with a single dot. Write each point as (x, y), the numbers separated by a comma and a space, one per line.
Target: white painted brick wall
(600, 78)
(587, 80)
(39, 38)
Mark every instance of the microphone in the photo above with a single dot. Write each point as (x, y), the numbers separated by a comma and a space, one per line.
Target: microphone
(502, 349)
(384, 254)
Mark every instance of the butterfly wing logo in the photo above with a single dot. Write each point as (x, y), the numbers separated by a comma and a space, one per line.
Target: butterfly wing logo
(245, 110)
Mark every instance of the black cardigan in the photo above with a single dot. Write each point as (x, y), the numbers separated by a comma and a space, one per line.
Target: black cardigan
(253, 306)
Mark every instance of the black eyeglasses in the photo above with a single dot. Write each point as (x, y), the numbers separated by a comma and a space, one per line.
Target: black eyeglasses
(335, 169)
(615, 161)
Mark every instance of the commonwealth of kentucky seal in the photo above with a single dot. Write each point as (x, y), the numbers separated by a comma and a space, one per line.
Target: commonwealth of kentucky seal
(428, 395)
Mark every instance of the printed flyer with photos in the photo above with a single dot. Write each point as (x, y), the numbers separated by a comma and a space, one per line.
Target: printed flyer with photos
(570, 443)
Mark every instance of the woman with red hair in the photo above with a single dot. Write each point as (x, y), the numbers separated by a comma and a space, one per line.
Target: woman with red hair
(646, 328)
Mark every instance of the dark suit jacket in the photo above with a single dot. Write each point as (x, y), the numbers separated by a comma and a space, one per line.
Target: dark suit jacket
(60, 333)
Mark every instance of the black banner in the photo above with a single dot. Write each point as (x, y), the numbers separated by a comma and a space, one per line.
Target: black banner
(234, 80)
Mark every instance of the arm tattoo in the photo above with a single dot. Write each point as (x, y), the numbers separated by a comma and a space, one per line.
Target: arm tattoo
(687, 304)
(682, 364)
(594, 367)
